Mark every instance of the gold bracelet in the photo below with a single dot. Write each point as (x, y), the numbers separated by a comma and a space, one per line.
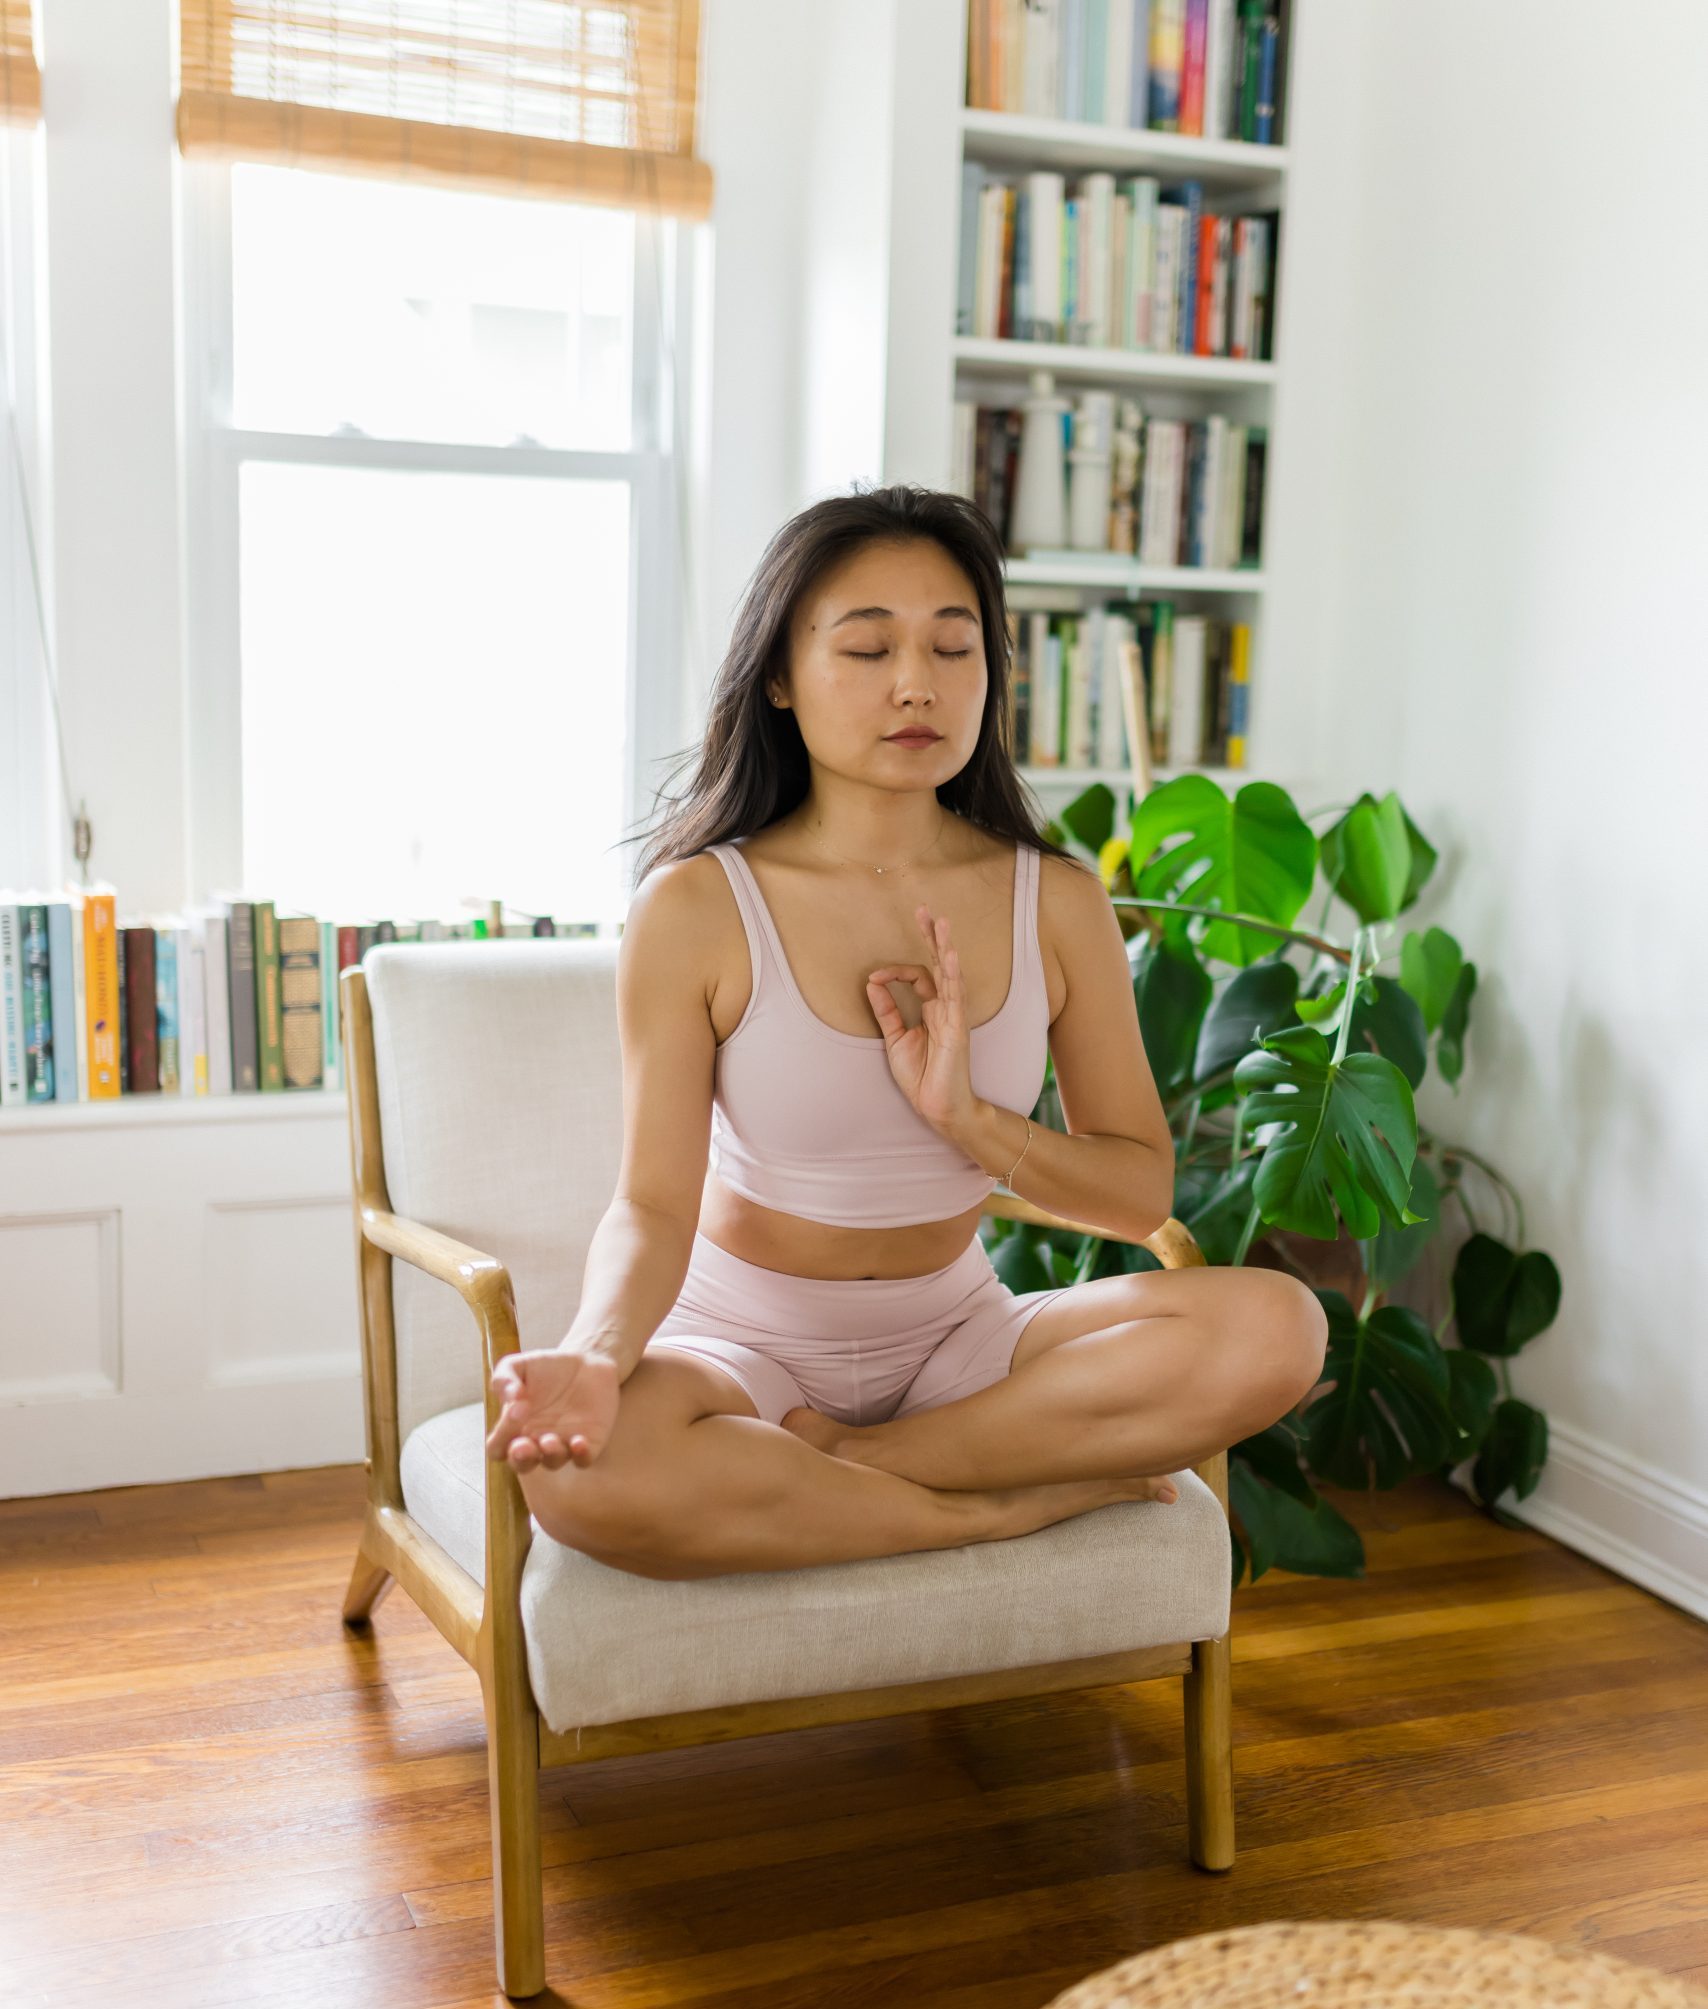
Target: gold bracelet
(1009, 1181)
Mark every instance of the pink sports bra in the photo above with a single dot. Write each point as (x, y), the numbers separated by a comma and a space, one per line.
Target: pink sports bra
(809, 1120)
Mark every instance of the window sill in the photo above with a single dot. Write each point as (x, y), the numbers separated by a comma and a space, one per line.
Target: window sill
(146, 1111)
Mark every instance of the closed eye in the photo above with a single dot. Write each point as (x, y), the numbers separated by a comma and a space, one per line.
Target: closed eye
(872, 655)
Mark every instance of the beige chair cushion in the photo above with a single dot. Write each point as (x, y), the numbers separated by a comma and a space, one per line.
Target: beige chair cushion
(501, 1120)
(605, 1645)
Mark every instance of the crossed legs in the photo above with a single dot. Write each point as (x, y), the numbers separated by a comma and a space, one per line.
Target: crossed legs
(692, 1483)
(1114, 1384)
(1142, 1373)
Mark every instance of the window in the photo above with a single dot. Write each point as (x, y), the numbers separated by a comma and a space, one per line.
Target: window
(29, 763)
(429, 443)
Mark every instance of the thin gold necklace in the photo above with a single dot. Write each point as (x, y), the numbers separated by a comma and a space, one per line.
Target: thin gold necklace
(926, 853)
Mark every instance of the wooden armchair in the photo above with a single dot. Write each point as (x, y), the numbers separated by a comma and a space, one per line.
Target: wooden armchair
(485, 1094)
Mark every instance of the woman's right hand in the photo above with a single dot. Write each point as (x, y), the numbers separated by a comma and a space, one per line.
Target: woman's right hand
(559, 1408)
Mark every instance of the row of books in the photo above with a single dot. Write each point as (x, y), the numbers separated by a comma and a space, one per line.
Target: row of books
(1209, 68)
(1183, 492)
(1114, 263)
(1085, 685)
(229, 998)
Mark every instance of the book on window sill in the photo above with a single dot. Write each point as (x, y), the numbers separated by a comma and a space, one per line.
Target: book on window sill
(234, 996)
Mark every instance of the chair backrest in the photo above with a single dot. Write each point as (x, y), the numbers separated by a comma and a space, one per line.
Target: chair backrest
(499, 1078)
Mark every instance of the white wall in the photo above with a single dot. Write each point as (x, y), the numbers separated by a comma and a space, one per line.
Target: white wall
(1488, 521)
(1491, 597)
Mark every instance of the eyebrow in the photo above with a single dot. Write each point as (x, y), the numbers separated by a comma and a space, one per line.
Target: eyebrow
(885, 613)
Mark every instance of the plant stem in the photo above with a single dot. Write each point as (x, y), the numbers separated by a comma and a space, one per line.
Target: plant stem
(1505, 1185)
(1246, 1235)
(1319, 942)
(1353, 977)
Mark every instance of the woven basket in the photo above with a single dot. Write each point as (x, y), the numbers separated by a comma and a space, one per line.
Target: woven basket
(1371, 1964)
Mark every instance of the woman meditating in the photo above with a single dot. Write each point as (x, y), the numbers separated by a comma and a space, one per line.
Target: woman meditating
(846, 959)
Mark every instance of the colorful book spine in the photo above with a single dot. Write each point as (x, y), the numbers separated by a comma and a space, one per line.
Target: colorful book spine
(1268, 61)
(67, 1013)
(269, 1015)
(240, 968)
(216, 965)
(102, 977)
(1239, 679)
(1251, 36)
(11, 1007)
(37, 992)
(1167, 51)
(166, 1021)
(302, 1031)
(1192, 67)
(329, 1053)
(141, 1037)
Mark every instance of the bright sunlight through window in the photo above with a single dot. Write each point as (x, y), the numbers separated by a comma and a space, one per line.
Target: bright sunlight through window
(435, 659)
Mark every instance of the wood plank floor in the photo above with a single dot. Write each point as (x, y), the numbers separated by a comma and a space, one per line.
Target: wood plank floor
(211, 1793)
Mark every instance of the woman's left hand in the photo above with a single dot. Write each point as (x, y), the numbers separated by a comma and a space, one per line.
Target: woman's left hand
(931, 1061)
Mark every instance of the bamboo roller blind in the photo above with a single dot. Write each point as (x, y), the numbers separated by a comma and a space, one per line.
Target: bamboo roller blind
(20, 80)
(585, 103)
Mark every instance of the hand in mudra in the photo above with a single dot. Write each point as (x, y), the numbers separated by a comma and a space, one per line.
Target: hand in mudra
(931, 1061)
(559, 1408)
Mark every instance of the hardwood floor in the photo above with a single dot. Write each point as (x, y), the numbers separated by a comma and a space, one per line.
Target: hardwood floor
(210, 1792)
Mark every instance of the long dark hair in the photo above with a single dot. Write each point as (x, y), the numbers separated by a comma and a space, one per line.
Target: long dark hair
(751, 766)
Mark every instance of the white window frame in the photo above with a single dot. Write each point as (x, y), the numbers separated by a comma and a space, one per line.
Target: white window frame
(214, 450)
(35, 843)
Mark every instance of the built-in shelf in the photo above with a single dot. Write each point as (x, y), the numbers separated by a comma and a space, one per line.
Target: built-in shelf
(1015, 140)
(1119, 572)
(144, 1111)
(998, 355)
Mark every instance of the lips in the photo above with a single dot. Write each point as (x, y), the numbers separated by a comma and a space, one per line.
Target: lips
(914, 738)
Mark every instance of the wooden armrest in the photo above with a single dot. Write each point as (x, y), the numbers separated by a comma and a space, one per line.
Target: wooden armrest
(1172, 1244)
(481, 1280)
(483, 1283)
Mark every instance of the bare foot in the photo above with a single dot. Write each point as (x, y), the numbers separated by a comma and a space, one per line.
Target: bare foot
(1021, 1509)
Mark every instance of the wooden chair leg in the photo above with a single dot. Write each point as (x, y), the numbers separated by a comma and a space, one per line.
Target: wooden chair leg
(1208, 1693)
(513, 1774)
(368, 1584)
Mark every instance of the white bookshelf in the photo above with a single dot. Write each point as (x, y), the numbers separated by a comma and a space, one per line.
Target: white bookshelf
(1237, 177)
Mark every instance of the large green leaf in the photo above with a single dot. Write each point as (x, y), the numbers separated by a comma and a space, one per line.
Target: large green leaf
(1255, 1002)
(1473, 1393)
(1273, 1454)
(1217, 1221)
(1348, 1135)
(1386, 1018)
(1502, 1300)
(1022, 1264)
(1392, 1251)
(1090, 816)
(1283, 1533)
(1450, 1047)
(1389, 1414)
(1172, 989)
(1254, 855)
(1376, 858)
(1513, 1453)
(1429, 968)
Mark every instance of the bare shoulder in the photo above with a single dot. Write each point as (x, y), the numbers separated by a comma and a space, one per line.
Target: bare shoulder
(1073, 906)
(676, 928)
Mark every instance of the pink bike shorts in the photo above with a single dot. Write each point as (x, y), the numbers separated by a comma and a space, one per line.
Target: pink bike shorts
(860, 1349)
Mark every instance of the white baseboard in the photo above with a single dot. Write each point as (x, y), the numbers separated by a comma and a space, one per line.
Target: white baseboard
(1645, 1526)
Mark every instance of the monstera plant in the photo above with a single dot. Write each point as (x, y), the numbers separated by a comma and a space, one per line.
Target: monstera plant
(1288, 1061)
